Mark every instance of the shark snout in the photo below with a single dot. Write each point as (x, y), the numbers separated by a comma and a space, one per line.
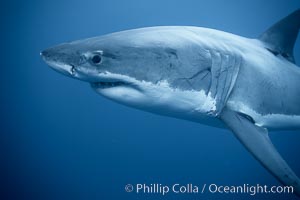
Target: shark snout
(46, 55)
(60, 59)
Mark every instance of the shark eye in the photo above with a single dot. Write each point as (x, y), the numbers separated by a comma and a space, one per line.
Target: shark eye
(96, 59)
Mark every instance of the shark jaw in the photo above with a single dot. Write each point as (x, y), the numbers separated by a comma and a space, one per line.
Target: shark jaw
(159, 98)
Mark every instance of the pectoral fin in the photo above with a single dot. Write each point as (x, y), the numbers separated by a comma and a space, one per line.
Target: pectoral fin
(258, 143)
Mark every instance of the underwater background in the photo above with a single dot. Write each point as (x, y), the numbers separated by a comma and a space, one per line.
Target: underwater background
(61, 140)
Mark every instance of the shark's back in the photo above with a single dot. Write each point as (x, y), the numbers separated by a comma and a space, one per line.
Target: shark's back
(269, 80)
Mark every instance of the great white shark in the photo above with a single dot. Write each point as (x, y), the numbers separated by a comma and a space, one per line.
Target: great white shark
(199, 74)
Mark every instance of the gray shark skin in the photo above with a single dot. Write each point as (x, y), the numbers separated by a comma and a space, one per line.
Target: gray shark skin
(203, 75)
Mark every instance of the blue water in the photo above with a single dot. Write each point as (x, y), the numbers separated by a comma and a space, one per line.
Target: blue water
(61, 140)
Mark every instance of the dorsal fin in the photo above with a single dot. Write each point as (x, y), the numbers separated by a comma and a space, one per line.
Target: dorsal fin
(281, 37)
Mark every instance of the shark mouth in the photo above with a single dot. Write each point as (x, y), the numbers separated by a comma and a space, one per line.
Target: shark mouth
(103, 85)
(108, 84)
(109, 80)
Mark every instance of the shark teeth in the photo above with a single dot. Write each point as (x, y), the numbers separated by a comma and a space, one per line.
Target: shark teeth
(108, 84)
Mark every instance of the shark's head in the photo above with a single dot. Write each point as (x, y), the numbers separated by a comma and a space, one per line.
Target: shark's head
(143, 68)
